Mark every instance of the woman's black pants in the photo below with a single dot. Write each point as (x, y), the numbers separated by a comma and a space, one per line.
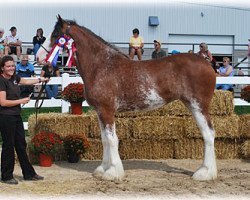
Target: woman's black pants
(13, 136)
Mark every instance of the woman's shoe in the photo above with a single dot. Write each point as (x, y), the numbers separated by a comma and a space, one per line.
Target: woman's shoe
(11, 181)
(36, 177)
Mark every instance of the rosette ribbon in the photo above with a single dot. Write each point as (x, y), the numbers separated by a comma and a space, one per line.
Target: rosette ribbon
(71, 50)
(52, 57)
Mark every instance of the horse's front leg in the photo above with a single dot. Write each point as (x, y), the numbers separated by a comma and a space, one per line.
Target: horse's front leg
(99, 171)
(111, 167)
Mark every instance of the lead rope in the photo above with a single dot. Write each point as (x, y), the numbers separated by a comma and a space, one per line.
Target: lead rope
(38, 98)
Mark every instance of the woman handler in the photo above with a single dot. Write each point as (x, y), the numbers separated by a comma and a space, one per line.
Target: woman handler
(11, 124)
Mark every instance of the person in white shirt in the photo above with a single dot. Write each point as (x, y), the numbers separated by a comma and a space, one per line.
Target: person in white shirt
(13, 43)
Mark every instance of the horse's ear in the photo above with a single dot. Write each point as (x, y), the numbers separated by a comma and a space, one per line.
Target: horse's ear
(59, 17)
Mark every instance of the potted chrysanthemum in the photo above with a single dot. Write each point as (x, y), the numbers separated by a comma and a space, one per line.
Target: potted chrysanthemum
(245, 93)
(46, 145)
(75, 145)
(74, 93)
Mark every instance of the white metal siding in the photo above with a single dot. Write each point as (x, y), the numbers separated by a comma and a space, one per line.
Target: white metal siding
(115, 22)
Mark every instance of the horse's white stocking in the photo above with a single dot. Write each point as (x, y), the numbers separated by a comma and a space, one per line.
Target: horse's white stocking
(105, 161)
(99, 171)
(208, 169)
(115, 170)
(111, 167)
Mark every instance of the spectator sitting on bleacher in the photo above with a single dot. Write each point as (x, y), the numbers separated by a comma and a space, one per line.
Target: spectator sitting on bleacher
(38, 39)
(158, 52)
(225, 70)
(136, 44)
(49, 71)
(13, 43)
(2, 42)
(25, 69)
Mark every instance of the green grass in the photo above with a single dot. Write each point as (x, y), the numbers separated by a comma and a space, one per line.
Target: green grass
(239, 110)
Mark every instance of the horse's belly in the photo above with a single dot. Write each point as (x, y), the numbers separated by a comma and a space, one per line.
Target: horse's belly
(144, 101)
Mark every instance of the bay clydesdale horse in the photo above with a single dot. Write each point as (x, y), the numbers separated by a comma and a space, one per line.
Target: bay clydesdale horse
(114, 83)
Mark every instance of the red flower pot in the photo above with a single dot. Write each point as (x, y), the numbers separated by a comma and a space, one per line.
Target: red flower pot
(76, 108)
(45, 160)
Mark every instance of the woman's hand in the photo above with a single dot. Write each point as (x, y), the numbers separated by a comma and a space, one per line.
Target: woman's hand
(25, 100)
(44, 79)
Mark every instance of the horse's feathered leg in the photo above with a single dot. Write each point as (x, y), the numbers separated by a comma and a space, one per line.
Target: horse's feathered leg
(105, 161)
(111, 167)
(208, 169)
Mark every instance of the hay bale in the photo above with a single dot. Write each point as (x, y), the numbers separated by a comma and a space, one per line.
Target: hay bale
(123, 127)
(188, 148)
(193, 148)
(95, 151)
(245, 125)
(228, 148)
(221, 104)
(157, 127)
(60, 123)
(175, 108)
(245, 149)
(134, 149)
(225, 127)
(131, 114)
(146, 149)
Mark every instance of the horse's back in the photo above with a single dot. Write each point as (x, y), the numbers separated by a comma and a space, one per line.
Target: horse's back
(182, 76)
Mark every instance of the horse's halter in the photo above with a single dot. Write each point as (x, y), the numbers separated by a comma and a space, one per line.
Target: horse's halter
(67, 29)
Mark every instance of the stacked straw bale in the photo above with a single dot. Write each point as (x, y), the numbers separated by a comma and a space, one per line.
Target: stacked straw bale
(225, 148)
(62, 124)
(245, 125)
(245, 131)
(146, 149)
(224, 126)
(168, 132)
(246, 149)
(158, 127)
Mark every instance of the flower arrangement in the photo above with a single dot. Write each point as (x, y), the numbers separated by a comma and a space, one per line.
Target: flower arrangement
(76, 144)
(73, 93)
(46, 143)
(245, 93)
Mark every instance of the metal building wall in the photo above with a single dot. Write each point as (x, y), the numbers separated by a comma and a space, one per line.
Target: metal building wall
(114, 22)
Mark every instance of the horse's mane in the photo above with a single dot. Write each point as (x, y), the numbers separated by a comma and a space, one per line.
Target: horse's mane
(73, 22)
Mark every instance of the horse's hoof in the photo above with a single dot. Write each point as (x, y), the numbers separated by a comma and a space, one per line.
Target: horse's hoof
(204, 174)
(113, 174)
(99, 171)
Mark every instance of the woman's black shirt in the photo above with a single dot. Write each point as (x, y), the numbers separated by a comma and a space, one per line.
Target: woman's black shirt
(10, 86)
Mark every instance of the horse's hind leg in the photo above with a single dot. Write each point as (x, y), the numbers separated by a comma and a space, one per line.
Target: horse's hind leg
(208, 169)
(111, 167)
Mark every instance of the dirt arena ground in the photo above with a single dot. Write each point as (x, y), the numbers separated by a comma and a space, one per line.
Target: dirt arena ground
(145, 179)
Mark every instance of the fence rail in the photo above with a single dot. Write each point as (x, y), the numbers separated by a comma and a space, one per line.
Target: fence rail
(66, 79)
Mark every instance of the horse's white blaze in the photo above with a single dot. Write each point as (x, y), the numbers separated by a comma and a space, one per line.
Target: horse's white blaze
(153, 99)
(111, 167)
(208, 169)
